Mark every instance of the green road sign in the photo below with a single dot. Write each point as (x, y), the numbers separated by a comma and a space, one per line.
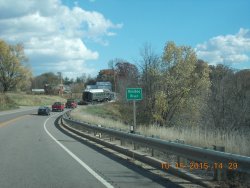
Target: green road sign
(134, 94)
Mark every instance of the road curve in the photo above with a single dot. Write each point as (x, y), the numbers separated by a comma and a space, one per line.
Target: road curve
(34, 153)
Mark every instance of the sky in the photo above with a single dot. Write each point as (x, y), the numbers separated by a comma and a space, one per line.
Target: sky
(81, 36)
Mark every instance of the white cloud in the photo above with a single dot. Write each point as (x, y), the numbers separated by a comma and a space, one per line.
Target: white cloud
(53, 34)
(228, 49)
(60, 48)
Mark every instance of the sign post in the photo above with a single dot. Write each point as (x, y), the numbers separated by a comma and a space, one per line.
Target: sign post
(134, 110)
(134, 94)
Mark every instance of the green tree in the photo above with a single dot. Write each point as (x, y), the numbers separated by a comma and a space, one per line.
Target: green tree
(90, 81)
(66, 81)
(81, 79)
(49, 78)
(14, 74)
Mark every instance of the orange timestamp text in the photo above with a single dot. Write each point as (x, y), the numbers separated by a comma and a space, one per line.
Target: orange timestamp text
(192, 165)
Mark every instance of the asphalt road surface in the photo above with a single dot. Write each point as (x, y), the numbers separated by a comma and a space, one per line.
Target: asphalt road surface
(35, 153)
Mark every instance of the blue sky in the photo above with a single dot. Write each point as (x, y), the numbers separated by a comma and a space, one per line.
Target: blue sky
(77, 37)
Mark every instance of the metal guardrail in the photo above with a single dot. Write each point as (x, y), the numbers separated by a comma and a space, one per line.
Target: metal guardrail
(183, 150)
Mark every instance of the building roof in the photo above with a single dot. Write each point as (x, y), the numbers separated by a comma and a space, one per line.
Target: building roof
(91, 86)
(37, 90)
(96, 90)
(103, 83)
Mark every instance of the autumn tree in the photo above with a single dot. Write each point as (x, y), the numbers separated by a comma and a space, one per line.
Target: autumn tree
(14, 73)
(182, 89)
(106, 75)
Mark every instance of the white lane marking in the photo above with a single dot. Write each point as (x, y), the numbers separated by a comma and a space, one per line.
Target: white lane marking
(91, 171)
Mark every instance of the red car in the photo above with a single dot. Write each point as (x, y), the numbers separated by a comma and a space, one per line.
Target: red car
(71, 103)
(58, 106)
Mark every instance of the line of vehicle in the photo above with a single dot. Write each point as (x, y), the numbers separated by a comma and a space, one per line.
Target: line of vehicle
(12, 120)
(91, 171)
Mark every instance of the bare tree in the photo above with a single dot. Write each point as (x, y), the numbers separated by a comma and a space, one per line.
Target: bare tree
(126, 76)
(229, 102)
(149, 81)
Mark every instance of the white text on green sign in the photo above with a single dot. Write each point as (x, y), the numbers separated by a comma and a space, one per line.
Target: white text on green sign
(134, 93)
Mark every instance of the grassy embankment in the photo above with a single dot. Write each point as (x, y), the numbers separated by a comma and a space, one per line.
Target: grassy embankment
(6, 103)
(108, 115)
(13, 100)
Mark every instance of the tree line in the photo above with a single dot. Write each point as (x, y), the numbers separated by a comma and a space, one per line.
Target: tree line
(181, 90)
(16, 75)
(50, 80)
(178, 88)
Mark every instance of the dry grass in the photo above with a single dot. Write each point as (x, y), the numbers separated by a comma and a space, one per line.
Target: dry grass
(13, 100)
(22, 99)
(6, 103)
(234, 141)
(86, 114)
(237, 141)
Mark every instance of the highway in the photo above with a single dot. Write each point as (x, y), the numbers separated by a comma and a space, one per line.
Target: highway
(35, 153)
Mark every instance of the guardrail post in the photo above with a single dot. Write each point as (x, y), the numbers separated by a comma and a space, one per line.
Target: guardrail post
(100, 134)
(152, 149)
(121, 142)
(135, 146)
(180, 159)
(219, 173)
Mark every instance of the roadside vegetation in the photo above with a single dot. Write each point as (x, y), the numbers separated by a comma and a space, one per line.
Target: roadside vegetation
(22, 99)
(108, 115)
(13, 100)
(183, 98)
(6, 103)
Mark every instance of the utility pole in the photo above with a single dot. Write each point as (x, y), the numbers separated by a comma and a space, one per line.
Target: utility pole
(60, 85)
(114, 80)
